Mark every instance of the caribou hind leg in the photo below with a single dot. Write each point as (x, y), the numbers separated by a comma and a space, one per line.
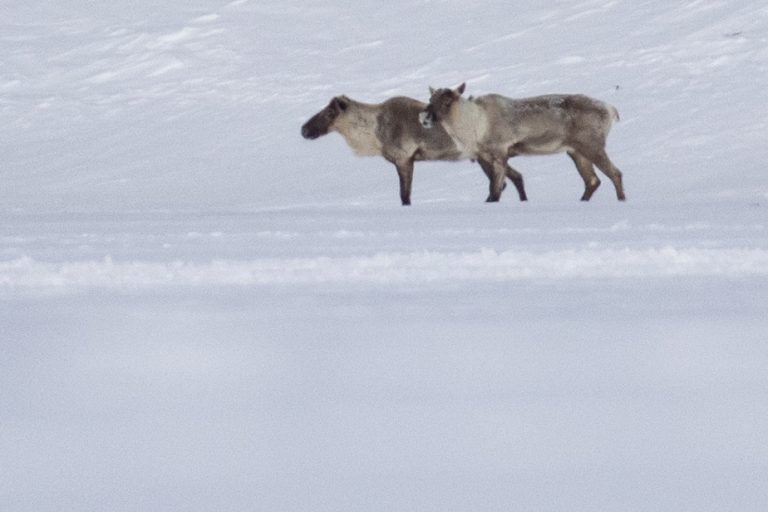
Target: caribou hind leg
(587, 172)
(601, 160)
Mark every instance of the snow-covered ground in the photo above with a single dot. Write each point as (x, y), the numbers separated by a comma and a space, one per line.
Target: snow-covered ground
(200, 310)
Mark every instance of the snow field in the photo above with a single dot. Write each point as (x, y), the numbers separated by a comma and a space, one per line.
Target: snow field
(389, 268)
(201, 311)
(438, 243)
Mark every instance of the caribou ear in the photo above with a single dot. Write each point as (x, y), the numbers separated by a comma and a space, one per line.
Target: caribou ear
(460, 89)
(339, 103)
(431, 90)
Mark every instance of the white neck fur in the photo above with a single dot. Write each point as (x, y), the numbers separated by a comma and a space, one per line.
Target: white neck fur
(467, 124)
(358, 127)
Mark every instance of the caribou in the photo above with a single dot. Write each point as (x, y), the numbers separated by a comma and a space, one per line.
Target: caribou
(493, 128)
(392, 130)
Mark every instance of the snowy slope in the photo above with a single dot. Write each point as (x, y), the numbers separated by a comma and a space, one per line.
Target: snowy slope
(200, 310)
(197, 104)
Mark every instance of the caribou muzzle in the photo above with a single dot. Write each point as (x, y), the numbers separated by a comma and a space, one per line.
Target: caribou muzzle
(310, 132)
(427, 117)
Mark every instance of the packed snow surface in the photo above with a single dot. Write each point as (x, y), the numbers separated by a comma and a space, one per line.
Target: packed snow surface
(200, 310)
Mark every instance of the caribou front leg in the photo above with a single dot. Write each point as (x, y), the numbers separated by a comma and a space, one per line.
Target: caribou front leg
(517, 179)
(405, 173)
(492, 174)
(499, 173)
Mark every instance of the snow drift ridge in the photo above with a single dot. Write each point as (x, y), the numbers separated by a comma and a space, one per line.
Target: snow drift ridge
(388, 268)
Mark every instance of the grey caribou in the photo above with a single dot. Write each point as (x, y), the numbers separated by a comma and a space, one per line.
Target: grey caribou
(492, 128)
(390, 129)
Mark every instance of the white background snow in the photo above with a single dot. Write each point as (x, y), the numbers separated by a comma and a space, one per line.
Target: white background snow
(200, 310)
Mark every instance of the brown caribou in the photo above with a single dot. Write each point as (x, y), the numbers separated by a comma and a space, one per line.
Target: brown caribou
(492, 128)
(392, 130)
